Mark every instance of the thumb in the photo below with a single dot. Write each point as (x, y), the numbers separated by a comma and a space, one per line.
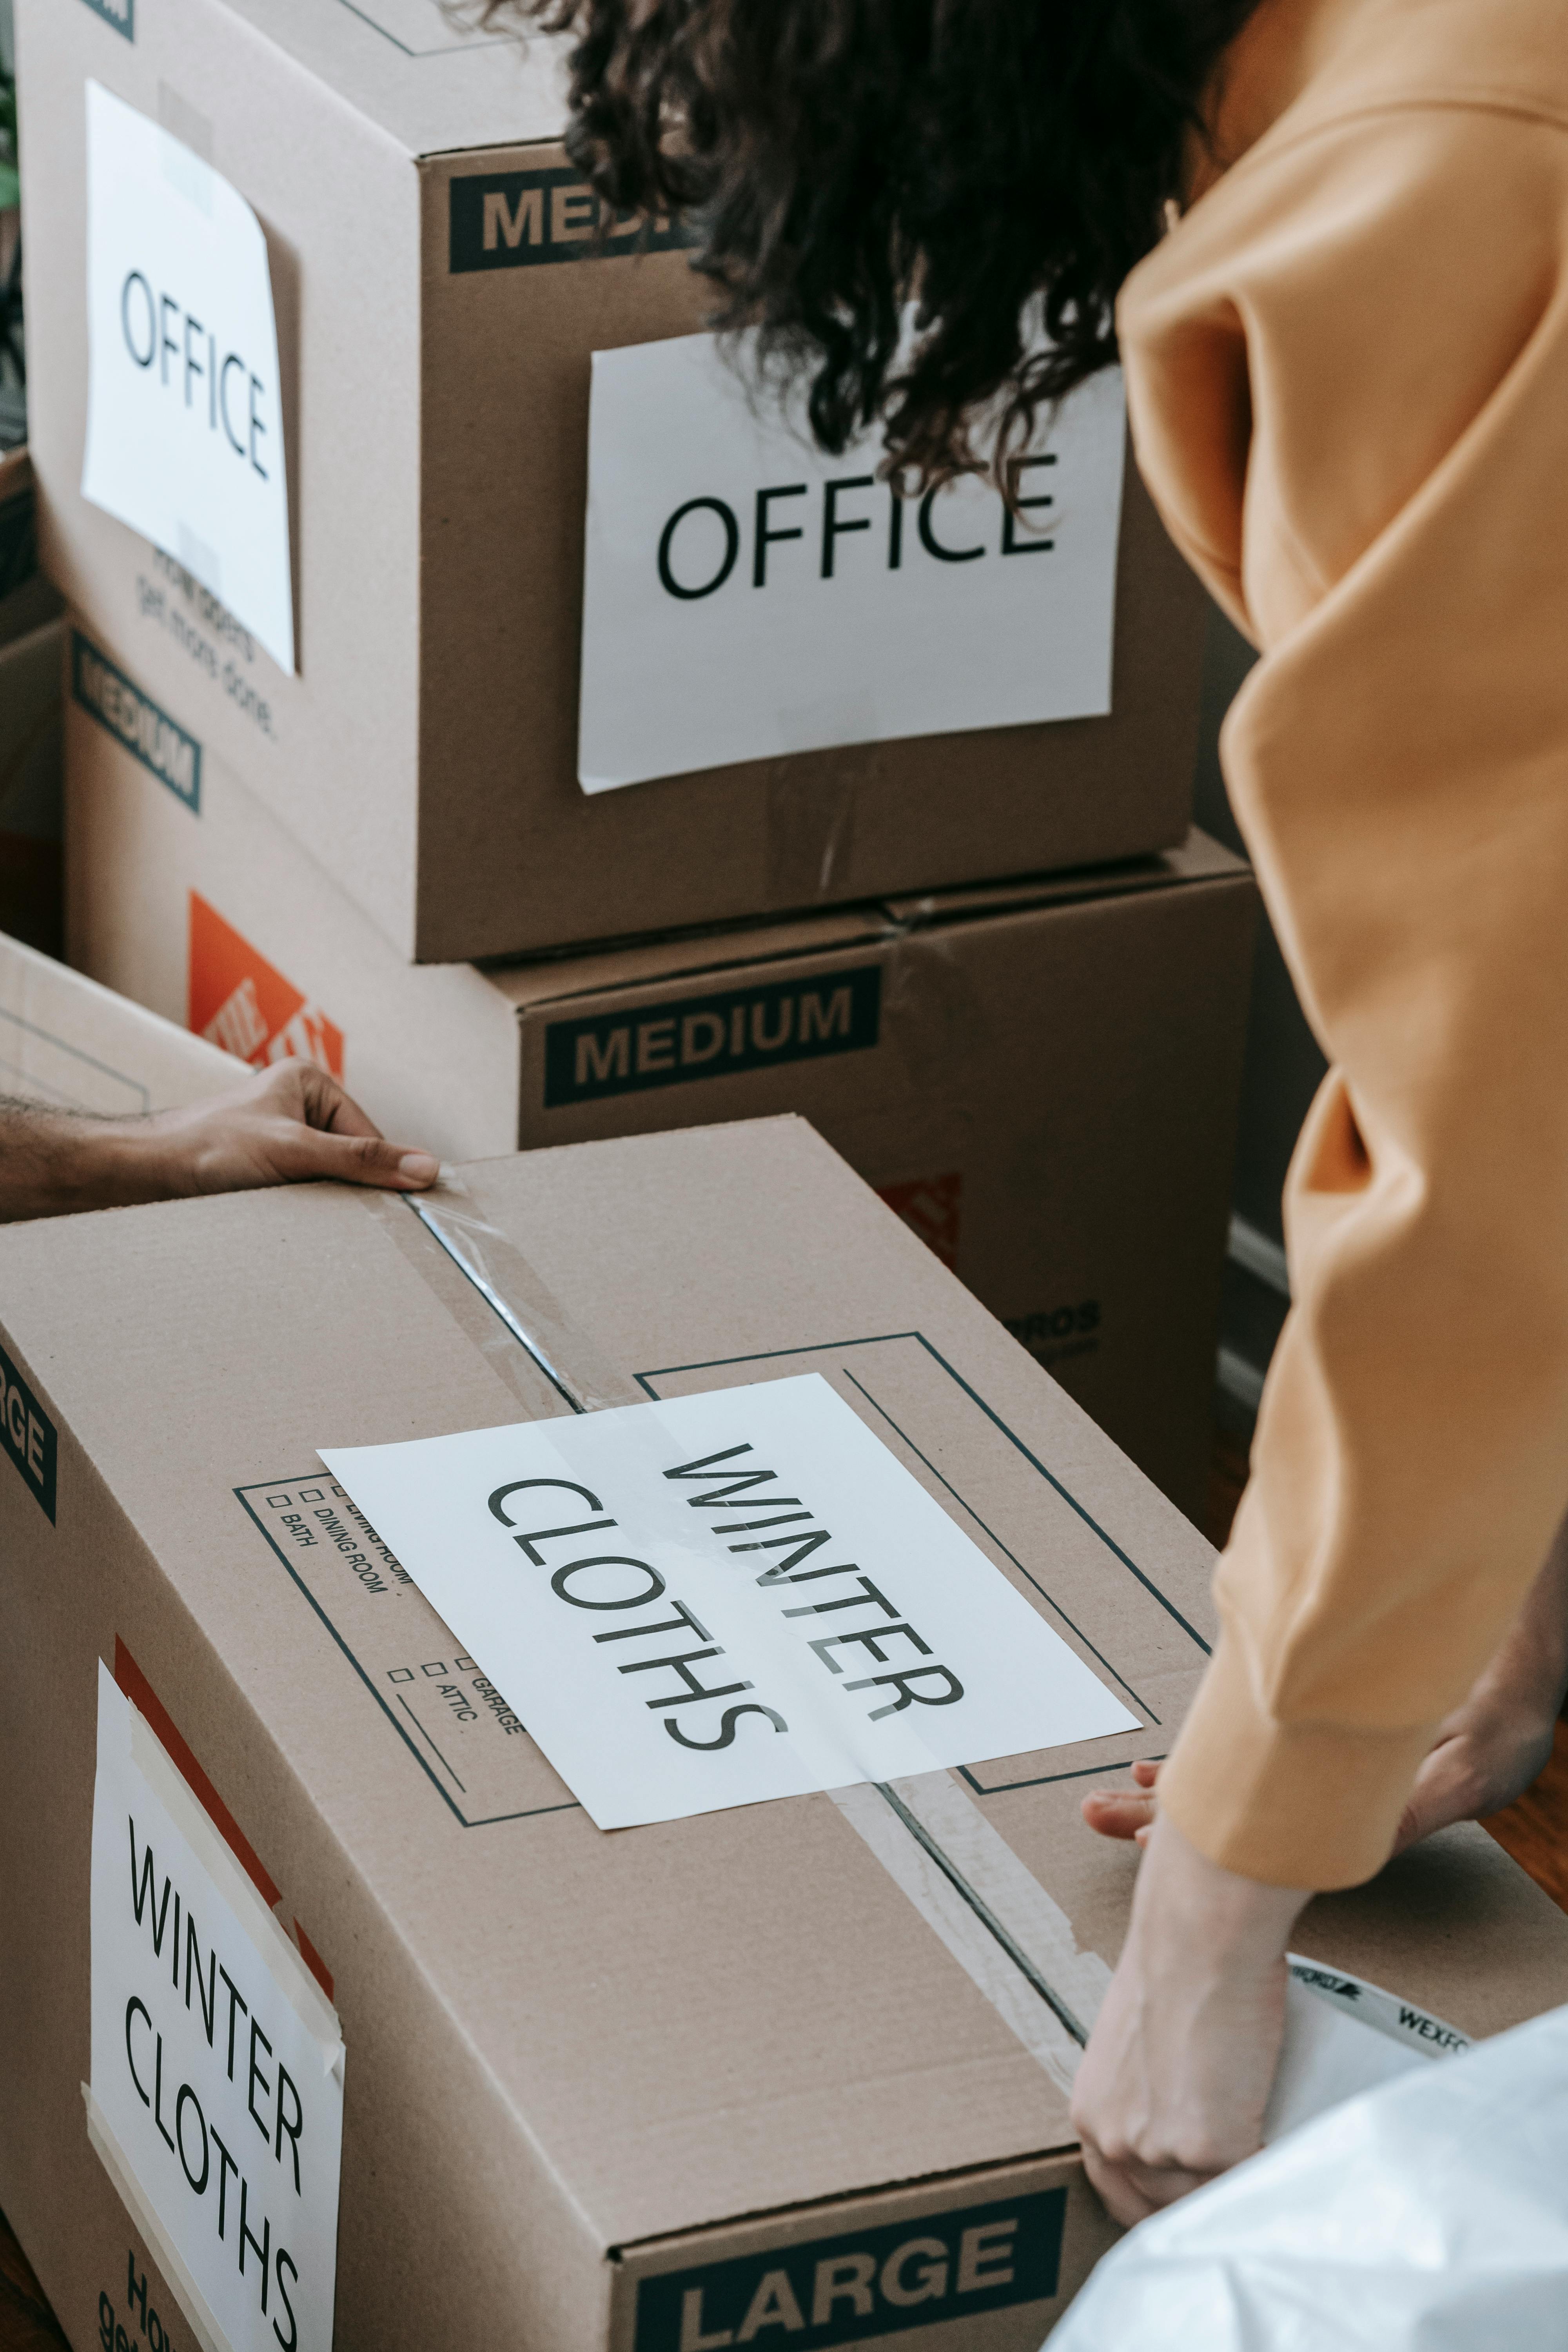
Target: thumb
(1441, 1794)
(1119, 1812)
(302, 1154)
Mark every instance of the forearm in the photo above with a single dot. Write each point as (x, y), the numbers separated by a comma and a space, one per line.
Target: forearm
(1175, 2081)
(1529, 1675)
(54, 1162)
(289, 1124)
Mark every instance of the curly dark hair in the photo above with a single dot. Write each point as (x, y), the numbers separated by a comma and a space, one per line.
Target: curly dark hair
(999, 162)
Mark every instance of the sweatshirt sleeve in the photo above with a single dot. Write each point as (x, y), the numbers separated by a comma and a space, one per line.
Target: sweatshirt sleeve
(1348, 372)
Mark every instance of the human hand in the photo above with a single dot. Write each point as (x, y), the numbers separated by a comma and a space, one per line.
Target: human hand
(288, 1124)
(1178, 2073)
(291, 1124)
(1485, 1754)
(1125, 1813)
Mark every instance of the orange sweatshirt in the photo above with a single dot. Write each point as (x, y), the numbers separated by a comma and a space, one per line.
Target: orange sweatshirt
(1348, 372)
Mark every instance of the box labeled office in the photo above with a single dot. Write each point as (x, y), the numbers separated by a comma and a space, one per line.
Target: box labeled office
(440, 287)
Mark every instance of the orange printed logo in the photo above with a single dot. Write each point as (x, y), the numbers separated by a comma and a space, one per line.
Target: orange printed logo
(929, 1208)
(236, 998)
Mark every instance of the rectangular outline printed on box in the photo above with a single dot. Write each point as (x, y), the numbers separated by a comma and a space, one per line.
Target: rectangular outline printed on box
(745, 1029)
(160, 743)
(30, 1437)
(286, 1489)
(441, 50)
(501, 220)
(120, 13)
(848, 2289)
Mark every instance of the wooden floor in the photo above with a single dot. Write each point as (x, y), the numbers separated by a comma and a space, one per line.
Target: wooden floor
(27, 2323)
(1535, 1830)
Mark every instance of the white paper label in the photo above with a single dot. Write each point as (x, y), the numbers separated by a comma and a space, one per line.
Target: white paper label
(185, 425)
(745, 595)
(712, 1599)
(216, 2095)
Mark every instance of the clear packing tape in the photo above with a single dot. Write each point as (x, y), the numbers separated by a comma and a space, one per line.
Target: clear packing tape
(513, 1291)
(1015, 1944)
(1428, 2216)
(996, 1921)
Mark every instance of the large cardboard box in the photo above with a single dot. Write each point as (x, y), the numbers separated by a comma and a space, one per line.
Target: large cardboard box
(68, 1042)
(436, 416)
(1042, 1078)
(601, 2091)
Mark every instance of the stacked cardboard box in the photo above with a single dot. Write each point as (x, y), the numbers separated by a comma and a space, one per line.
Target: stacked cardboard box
(444, 819)
(468, 736)
(1040, 1076)
(1052, 1101)
(73, 1045)
(440, 295)
(794, 2072)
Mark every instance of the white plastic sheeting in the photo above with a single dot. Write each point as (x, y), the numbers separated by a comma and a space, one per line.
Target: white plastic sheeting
(1430, 2215)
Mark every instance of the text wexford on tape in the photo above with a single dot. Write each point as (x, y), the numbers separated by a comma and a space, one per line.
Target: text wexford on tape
(708, 1600)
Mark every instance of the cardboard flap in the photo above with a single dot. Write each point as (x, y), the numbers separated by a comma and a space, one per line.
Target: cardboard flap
(432, 85)
(1196, 859)
(551, 980)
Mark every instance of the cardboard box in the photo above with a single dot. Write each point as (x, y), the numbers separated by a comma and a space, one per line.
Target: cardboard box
(69, 1043)
(435, 417)
(599, 2087)
(1042, 1078)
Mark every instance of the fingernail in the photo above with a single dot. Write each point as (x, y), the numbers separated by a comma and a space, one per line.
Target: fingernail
(418, 1167)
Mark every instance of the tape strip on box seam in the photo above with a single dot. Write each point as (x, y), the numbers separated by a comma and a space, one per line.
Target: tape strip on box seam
(991, 1914)
(279, 1957)
(514, 1292)
(197, 2312)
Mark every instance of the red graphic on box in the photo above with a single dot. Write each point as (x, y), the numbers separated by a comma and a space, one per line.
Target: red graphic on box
(235, 998)
(929, 1208)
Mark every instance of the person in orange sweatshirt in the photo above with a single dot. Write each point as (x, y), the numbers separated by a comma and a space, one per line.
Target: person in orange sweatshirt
(1327, 240)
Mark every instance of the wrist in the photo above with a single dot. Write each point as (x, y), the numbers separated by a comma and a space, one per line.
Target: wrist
(1183, 1903)
(112, 1163)
(142, 1161)
(1521, 1692)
